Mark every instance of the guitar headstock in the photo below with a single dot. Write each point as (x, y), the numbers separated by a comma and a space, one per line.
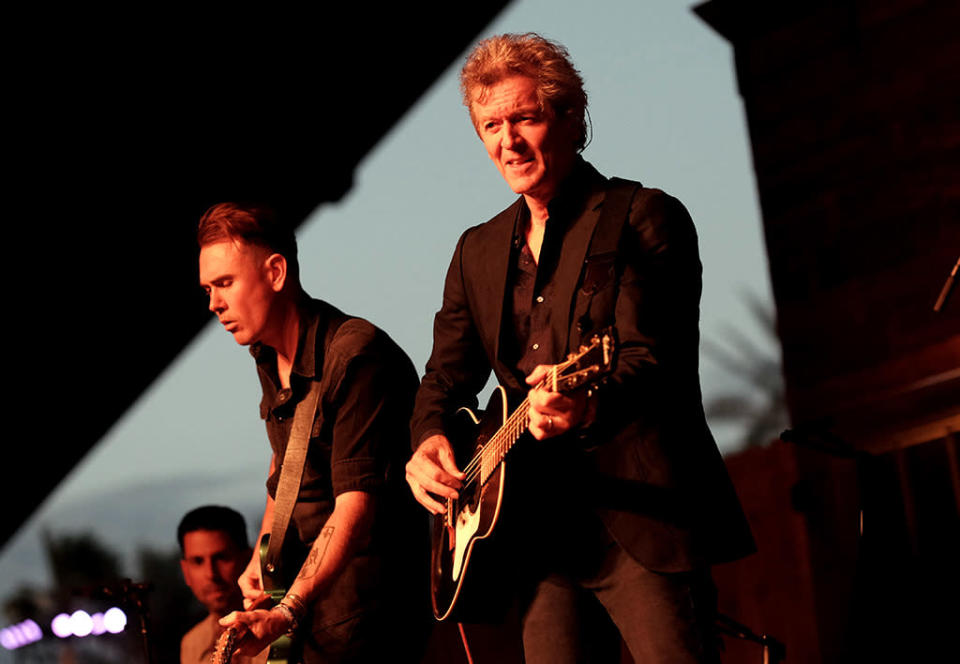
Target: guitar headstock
(589, 364)
(223, 651)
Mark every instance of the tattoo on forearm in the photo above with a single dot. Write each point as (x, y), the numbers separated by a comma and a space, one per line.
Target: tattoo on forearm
(319, 549)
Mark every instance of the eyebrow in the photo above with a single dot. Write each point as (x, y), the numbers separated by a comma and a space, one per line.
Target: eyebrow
(524, 109)
(229, 275)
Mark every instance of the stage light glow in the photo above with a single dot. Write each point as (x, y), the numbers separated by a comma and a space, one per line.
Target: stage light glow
(32, 630)
(21, 634)
(98, 626)
(114, 620)
(8, 639)
(61, 626)
(81, 624)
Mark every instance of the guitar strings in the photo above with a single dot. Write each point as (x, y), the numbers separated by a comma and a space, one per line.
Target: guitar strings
(500, 442)
(507, 435)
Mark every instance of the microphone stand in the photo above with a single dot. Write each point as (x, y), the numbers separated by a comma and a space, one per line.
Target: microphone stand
(136, 595)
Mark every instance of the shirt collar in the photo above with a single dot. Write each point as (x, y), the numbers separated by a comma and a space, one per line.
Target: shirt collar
(574, 191)
(305, 362)
(578, 191)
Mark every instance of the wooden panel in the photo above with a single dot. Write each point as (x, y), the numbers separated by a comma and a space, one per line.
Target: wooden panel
(854, 116)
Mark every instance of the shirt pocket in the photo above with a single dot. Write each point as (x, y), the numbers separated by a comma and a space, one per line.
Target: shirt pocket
(598, 273)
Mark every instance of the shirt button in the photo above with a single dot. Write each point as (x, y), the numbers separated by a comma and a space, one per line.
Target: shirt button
(536, 346)
(540, 298)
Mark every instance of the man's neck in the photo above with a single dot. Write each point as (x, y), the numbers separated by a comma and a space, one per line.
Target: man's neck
(539, 209)
(538, 205)
(285, 337)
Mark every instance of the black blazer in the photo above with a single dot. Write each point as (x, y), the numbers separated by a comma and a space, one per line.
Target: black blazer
(652, 470)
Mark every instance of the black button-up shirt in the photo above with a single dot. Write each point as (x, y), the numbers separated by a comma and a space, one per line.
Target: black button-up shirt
(361, 437)
(531, 285)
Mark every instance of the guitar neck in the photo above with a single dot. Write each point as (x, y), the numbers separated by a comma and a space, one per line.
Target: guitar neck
(223, 650)
(497, 447)
(556, 380)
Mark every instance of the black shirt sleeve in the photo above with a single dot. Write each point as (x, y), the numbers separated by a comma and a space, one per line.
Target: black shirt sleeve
(366, 419)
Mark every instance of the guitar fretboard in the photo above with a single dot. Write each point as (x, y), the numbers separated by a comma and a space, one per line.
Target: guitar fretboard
(485, 462)
(223, 651)
(501, 442)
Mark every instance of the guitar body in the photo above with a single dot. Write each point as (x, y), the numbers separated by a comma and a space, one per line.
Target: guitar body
(469, 519)
(458, 533)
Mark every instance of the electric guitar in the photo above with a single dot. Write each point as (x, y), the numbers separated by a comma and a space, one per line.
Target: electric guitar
(223, 651)
(279, 649)
(473, 515)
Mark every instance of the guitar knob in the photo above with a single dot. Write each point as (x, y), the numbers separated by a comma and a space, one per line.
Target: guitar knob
(271, 568)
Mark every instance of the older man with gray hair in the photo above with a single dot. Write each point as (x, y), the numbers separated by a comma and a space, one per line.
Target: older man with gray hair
(621, 500)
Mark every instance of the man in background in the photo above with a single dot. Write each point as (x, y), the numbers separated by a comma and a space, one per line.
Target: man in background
(214, 552)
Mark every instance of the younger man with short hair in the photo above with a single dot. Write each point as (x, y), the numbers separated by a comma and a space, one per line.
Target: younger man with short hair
(214, 553)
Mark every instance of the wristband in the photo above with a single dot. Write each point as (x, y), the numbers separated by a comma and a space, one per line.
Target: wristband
(291, 617)
(295, 603)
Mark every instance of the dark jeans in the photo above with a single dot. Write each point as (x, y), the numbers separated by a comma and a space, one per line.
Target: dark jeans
(574, 614)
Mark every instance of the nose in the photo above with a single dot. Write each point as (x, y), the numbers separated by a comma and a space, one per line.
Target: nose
(217, 304)
(509, 137)
(212, 571)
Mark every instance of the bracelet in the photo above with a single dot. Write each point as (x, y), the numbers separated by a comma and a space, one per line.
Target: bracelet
(295, 603)
(288, 612)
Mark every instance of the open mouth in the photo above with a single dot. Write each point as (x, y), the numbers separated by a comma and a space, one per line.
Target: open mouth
(519, 163)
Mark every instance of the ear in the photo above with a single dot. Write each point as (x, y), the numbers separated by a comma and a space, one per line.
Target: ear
(275, 267)
(183, 569)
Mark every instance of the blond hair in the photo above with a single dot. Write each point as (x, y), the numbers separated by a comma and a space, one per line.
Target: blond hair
(547, 63)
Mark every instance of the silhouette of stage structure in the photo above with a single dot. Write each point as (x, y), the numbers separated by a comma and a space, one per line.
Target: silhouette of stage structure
(127, 127)
(852, 114)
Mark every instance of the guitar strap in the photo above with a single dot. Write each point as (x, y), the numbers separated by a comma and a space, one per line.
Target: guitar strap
(295, 455)
(601, 261)
(616, 205)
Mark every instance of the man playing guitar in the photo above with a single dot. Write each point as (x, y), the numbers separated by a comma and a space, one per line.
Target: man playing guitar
(622, 499)
(354, 594)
